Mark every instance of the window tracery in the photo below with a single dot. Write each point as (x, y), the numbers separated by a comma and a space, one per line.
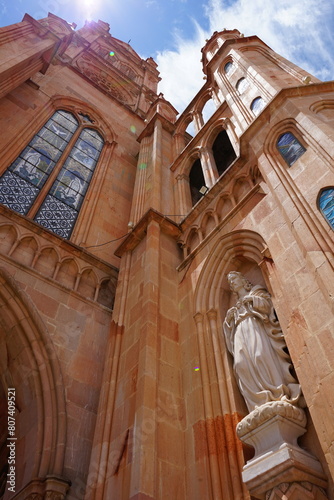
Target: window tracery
(62, 157)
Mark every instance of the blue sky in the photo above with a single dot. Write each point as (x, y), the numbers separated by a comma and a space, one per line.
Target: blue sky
(173, 31)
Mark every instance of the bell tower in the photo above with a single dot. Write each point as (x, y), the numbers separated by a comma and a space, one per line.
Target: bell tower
(247, 74)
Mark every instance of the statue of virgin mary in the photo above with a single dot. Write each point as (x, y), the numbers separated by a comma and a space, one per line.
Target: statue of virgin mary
(255, 340)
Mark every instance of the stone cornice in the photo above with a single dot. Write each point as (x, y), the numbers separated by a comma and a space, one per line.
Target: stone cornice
(138, 233)
(148, 130)
(265, 116)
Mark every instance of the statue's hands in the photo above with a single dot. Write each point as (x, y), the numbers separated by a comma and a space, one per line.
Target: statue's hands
(230, 314)
(247, 300)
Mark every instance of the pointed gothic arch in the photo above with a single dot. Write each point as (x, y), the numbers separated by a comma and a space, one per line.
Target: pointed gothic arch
(242, 251)
(29, 364)
(234, 248)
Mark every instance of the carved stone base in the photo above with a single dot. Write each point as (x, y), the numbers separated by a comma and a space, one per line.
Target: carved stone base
(49, 488)
(273, 430)
(296, 491)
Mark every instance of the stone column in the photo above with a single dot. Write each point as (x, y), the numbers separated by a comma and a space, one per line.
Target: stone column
(143, 478)
(26, 48)
(198, 120)
(209, 166)
(183, 192)
(179, 142)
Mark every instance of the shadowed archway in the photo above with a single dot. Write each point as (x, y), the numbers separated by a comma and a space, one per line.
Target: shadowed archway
(29, 364)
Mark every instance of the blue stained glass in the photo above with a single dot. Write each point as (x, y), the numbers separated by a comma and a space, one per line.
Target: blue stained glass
(58, 130)
(16, 193)
(56, 216)
(326, 205)
(290, 148)
(67, 120)
(33, 166)
(88, 149)
(78, 169)
(70, 187)
(21, 183)
(71, 192)
(93, 137)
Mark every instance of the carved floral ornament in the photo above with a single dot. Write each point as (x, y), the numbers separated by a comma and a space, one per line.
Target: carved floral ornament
(103, 79)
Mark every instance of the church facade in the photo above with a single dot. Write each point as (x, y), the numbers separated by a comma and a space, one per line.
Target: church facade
(118, 230)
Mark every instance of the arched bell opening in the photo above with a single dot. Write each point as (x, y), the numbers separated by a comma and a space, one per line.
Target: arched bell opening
(223, 152)
(196, 182)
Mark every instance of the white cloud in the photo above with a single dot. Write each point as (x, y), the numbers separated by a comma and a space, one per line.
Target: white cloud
(300, 31)
(181, 70)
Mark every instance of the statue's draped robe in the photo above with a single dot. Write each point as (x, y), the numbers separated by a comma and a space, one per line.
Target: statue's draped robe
(255, 339)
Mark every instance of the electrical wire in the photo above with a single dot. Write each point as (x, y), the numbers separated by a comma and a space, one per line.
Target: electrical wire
(116, 239)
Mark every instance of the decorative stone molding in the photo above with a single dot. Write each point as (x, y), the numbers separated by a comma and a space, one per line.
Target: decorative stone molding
(103, 79)
(295, 491)
(266, 412)
(49, 488)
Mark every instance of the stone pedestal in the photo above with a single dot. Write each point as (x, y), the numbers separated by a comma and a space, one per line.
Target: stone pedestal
(273, 430)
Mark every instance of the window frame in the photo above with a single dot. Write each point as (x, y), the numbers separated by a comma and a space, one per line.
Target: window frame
(84, 121)
(324, 189)
(257, 99)
(297, 139)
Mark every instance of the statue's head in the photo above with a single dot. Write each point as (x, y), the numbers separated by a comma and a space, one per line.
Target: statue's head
(237, 280)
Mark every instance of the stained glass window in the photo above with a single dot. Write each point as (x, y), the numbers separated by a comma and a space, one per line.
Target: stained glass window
(228, 67)
(38, 162)
(21, 183)
(290, 148)
(242, 85)
(257, 105)
(326, 205)
(61, 206)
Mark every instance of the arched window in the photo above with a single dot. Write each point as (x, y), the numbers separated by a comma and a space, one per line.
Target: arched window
(196, 182)
(228, 67)
(242, 85)
(326, 205)
(290, 148)
(223, 152)
(257, 105)
(49, 179)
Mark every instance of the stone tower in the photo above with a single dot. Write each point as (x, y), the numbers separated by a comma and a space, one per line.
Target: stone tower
(118, 229)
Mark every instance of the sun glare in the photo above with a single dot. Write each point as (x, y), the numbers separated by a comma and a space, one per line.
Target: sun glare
(89, 7)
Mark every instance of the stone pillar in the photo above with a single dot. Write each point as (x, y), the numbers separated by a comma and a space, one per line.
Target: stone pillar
(156, 166)
(198, 120)
(140, 189)
(215, 97)
(179, 142)
(26, 48)
(209, 167)
(183, 191)
(143, 478)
